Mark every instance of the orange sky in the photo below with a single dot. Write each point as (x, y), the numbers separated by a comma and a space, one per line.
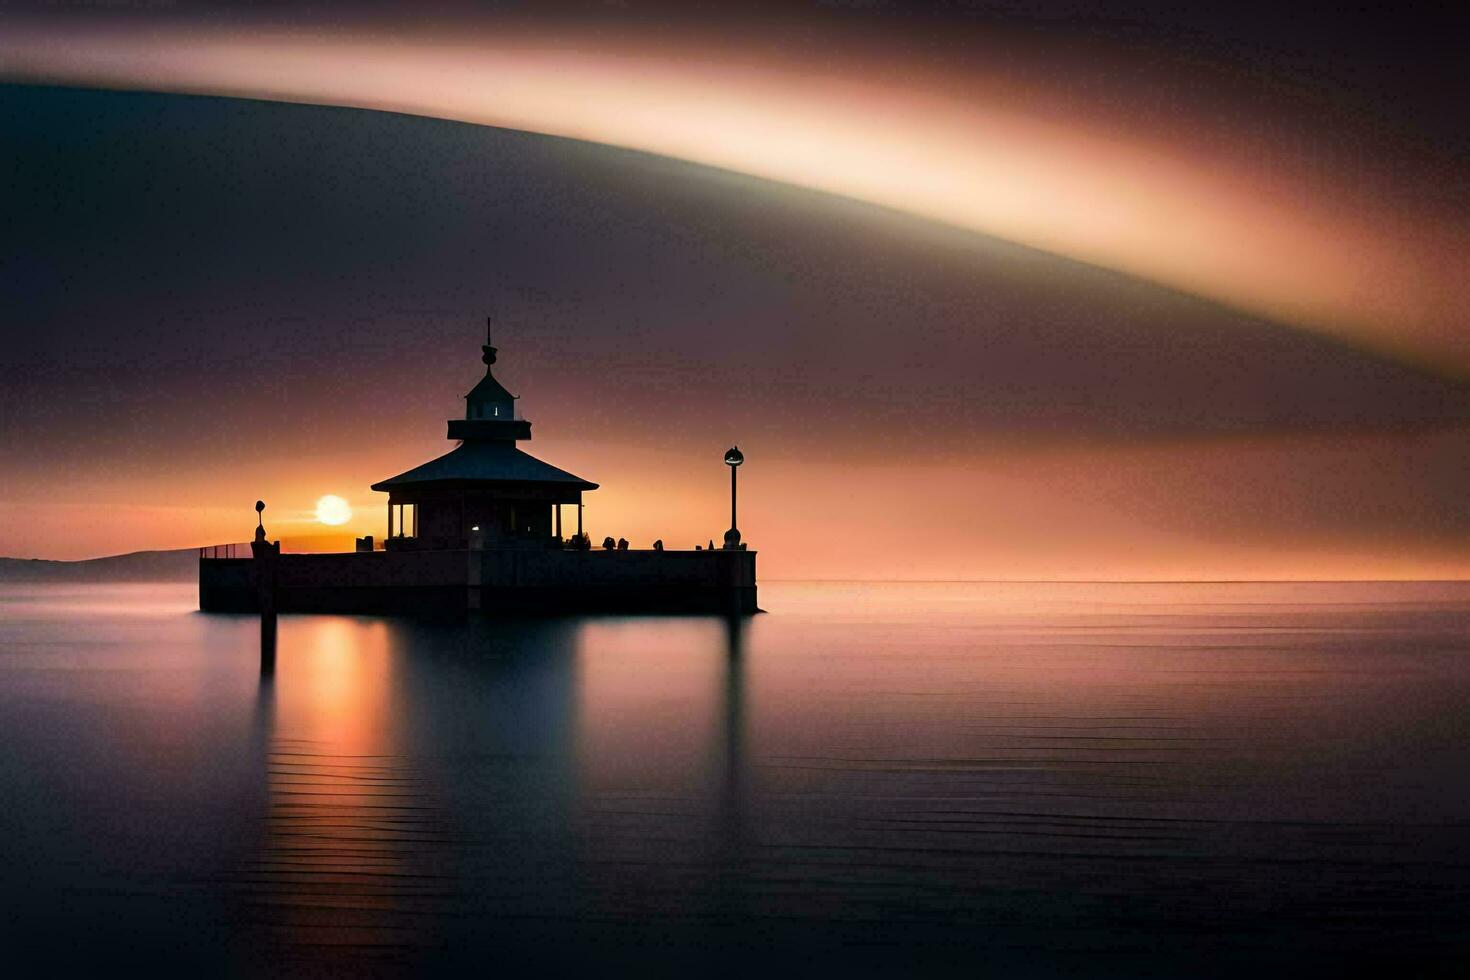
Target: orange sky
(1323, 506)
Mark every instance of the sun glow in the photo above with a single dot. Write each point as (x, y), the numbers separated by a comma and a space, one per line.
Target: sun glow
(1262, 229)
(333, 510)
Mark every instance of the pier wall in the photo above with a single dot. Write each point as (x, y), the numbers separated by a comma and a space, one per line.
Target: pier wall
(509, 581)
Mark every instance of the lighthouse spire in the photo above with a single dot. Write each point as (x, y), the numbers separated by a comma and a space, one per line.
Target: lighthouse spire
(490, 410)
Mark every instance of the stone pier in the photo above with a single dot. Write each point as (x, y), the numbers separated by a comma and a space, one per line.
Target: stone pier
(495, 581)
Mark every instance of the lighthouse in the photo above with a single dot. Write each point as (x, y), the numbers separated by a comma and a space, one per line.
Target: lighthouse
(485, 493)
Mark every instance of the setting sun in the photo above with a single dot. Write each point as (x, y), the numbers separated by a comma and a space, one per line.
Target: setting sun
(333, 510)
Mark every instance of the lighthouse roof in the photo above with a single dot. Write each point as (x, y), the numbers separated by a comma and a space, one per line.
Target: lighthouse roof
(489, 390)
(485, 462)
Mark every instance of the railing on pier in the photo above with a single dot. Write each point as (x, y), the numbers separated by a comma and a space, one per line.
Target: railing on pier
(218, 551)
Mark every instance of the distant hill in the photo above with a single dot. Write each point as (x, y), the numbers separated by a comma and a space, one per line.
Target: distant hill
(140, 566)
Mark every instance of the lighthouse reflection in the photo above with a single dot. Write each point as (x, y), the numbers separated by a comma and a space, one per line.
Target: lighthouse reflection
(436, 792)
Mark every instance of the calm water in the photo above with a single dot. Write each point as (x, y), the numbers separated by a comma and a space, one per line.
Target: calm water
(1016, 780)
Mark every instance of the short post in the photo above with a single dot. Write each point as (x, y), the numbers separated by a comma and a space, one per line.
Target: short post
(265, 553)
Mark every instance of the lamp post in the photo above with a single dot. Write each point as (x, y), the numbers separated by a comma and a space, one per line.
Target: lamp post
(265, 555)
(733, 458)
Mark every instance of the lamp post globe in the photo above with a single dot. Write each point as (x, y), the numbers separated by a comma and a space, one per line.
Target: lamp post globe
(733, 458)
